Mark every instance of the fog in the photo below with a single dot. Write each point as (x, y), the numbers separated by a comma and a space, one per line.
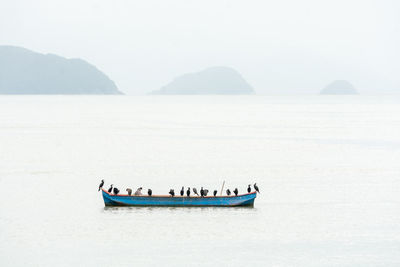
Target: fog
(280, 47)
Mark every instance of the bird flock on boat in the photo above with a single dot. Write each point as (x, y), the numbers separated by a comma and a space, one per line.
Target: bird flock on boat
(203, 191)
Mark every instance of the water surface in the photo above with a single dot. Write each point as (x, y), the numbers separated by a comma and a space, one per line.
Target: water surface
(328, 169)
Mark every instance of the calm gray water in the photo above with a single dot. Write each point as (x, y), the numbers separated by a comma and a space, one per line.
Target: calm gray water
(327, 166)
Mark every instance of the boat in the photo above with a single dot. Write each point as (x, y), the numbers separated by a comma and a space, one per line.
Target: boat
(179, 201)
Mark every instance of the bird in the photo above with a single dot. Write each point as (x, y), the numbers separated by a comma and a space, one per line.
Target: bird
(228, 192)
(205, 192)
(195, 191)
(256, 187)
(116, 191)
(172, 192)
(129, 191)
(215, 192)
(236, 191)
(182, 191)
(249, 189)
(138, 191)
(101, 185)
(202, 192)
(188, 192)
(149, 192)
(110, 189)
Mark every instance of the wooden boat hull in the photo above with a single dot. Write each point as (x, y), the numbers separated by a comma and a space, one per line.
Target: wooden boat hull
(178, 201)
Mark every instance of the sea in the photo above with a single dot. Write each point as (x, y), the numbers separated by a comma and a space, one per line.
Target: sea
(328, 169)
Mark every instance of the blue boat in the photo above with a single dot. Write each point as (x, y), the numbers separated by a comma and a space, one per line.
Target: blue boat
(178, 201)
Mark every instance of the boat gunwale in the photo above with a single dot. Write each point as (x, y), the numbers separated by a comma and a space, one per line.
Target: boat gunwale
(169, 196)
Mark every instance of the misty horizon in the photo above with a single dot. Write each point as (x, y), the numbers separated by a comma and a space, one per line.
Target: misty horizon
(27, 72)
(279, 48)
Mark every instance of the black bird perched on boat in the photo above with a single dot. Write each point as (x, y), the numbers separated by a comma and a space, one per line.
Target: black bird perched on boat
(182, 191)
(249, 189)
(129, 191)
(195, 191)
(172, 192)
(236, 191)
(228, 192)
(256, 187)
(205, 192)
(215, 192)
(149, 192)
(110, 189)
(116, 191)
(101, 185)
(188, 192)
(202, 192)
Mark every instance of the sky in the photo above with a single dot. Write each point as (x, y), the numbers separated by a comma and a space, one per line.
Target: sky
(279, 47)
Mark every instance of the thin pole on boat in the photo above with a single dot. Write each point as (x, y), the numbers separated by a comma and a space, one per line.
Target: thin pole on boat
(222, 189)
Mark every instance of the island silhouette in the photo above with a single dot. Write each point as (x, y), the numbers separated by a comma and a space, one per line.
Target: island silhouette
(23, 71)
(215, 80)
(339, 87)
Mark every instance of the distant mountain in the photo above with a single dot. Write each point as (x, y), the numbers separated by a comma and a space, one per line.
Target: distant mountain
(215, 80)
(26, 72)
(339, 87)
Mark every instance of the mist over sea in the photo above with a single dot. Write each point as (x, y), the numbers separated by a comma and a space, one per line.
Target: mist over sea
(327, 167)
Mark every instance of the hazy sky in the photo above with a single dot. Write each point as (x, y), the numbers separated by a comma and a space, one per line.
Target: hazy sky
(278, 46)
